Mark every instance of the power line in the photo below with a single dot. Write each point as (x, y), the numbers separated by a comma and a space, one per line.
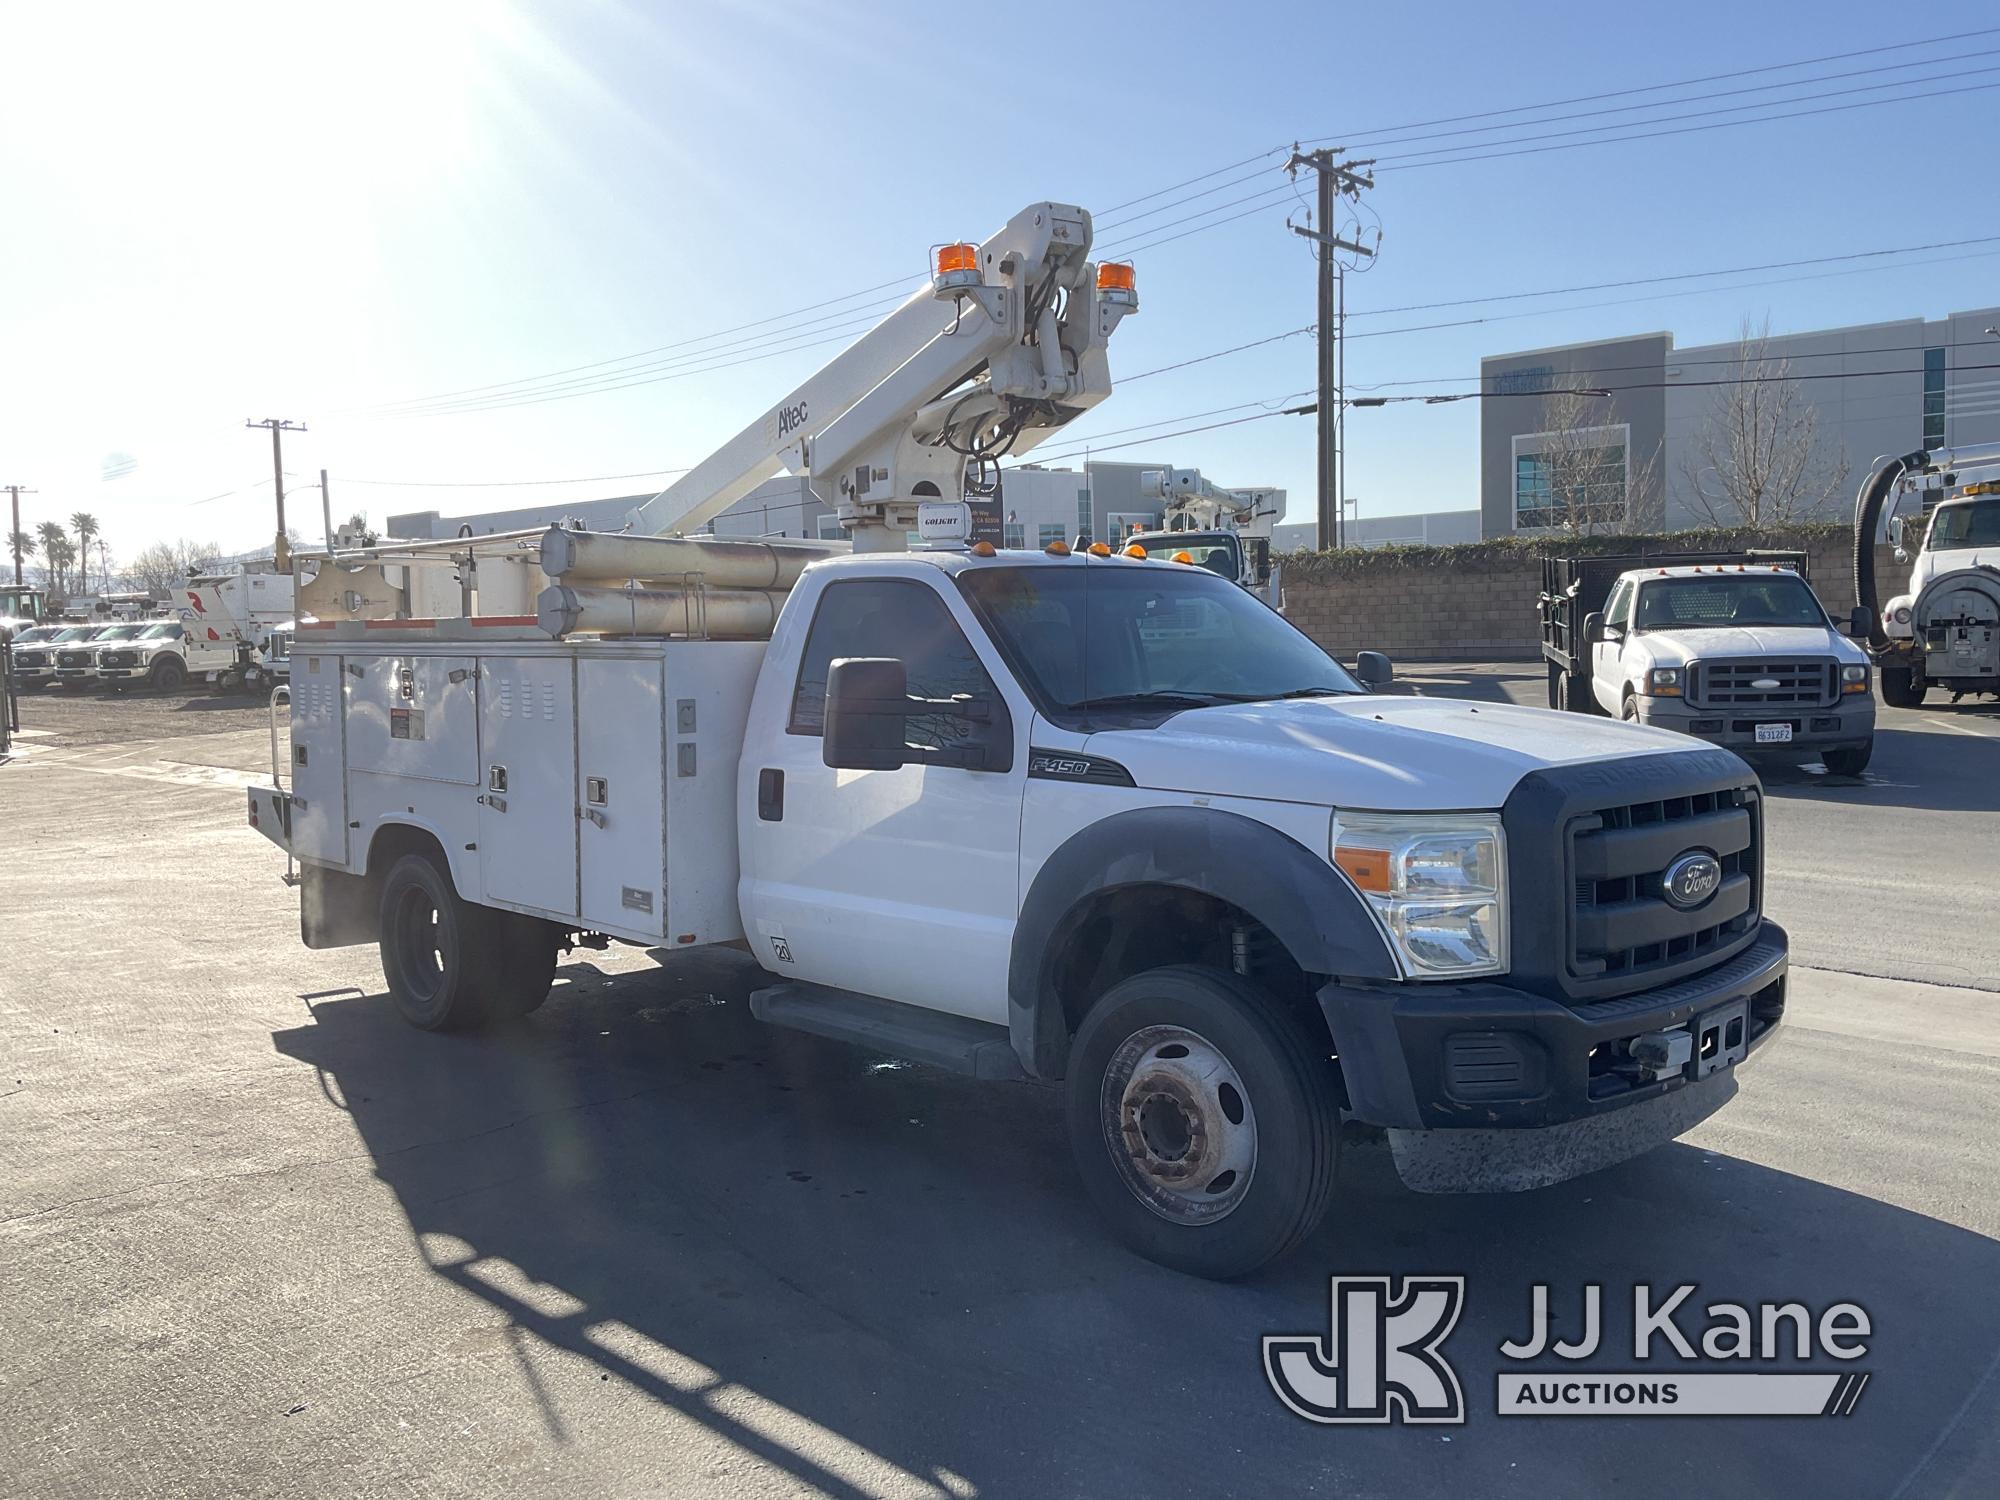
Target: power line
(1403, 164)
(1373, 143)
(1707, 114)
(1603, 286)
(495, 484)
(1446, 397)
(1655, 88)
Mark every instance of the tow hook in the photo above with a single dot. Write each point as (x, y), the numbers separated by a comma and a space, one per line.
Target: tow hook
(1660, 1054)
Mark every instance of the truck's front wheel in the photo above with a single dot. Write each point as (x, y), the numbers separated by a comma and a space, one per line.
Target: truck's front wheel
(1204, 1120)
(453, 964)
(1901, 688)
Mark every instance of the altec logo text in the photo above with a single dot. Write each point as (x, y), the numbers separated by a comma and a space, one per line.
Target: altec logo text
(1382, 1358)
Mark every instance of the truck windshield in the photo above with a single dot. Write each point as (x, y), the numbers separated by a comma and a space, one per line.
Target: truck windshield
(1974, 524)
(1122, 636)
(1727, 599)
(164, 631)
(119, 632)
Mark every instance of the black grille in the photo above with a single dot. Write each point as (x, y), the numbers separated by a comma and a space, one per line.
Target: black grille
(1621, 923)
(31, 658)
(118, 659)
(72, 658)
(1732, 684)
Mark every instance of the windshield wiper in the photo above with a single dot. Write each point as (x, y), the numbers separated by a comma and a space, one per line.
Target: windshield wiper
(1162, 697)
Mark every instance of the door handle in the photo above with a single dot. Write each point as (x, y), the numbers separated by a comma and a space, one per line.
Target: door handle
(771, 794)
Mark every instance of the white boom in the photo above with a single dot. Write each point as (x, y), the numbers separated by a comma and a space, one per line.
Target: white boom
(1006, 346)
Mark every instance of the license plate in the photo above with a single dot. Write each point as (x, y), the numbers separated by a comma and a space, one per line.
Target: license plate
(1774, 734)
(1721, 1038)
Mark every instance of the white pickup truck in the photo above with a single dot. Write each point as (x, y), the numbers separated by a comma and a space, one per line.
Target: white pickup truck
(1095, 820)
(164, 655)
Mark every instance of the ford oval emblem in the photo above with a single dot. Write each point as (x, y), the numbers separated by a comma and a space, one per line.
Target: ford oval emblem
(1765, 684)
(1691, 879)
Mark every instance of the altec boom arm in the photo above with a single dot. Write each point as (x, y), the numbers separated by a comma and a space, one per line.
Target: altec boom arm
(1006, 346)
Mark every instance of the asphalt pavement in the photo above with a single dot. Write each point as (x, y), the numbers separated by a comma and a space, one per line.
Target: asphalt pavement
(257, 1237)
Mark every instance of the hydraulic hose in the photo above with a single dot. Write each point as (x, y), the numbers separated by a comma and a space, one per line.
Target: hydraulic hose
(1867, 517)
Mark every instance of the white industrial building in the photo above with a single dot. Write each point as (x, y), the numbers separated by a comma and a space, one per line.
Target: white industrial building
(1874, 389)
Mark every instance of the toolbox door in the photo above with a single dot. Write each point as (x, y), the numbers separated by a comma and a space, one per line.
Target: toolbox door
(527, 778)
(620, 829)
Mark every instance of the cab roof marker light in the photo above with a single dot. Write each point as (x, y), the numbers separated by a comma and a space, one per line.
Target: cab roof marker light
(1099, 549)
(1057, 548)
(1135, 550)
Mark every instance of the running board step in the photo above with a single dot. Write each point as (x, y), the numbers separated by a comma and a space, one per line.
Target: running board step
(958, 1043)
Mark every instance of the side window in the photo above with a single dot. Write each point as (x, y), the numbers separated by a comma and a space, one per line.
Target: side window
(1619, 611)
(896, 617)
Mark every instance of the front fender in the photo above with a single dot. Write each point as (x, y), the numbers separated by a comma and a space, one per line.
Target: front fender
(1296, 893)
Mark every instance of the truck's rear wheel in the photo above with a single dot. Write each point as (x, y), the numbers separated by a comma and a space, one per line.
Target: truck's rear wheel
(1204, 1121)
(1901, 688)
(1577, 694)
(452, 964)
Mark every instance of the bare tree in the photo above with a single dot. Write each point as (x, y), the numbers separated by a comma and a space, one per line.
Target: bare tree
(162, 565)
(1759, 461)
(1583, 478)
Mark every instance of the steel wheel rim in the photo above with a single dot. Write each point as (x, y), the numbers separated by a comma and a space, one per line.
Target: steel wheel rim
(419, 944)
(1178, 1124)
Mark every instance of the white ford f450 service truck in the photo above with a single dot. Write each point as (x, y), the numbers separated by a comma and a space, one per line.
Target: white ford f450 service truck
(1081, 817)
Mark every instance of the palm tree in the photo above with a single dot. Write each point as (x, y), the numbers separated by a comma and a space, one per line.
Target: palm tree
(84, 524)
(55, 546)
(19, 545)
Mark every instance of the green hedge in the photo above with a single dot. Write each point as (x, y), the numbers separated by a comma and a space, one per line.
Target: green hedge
(1348, 562)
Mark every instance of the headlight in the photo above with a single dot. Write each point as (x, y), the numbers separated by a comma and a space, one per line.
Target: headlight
(1902, 615)
(1854, 679)
(1437, 883)
(1664, 682)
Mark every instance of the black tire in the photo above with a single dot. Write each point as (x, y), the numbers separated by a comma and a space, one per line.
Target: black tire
(1849, 760)
(1555, 686)
(1629, 711)
(1124, 1135)
(168, 673)
(1902, 689)
(1579, 699)
(452, 964)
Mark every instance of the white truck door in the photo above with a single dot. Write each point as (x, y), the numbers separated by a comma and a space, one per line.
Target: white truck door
(901, 884)
(621, 849)
(1607, 657)
(527, 779)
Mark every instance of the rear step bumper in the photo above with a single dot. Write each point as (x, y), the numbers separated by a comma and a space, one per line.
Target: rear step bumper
(978, 1049)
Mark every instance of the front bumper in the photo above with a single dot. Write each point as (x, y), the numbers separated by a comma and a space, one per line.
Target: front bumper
(1520, 1090)
(1851, 721)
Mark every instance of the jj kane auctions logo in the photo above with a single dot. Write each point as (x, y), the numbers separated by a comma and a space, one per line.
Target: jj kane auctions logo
(1382, 1357)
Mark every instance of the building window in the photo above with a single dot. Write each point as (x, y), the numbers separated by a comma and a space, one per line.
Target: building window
(1048, 532)
(1013, 535)
(1571, 484)
(1083, 512)
(1934, 398)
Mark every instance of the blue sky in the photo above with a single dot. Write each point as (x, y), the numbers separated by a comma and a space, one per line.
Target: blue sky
(219, 211)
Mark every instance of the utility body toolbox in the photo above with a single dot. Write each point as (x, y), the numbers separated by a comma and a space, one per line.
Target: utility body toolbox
(591, 782)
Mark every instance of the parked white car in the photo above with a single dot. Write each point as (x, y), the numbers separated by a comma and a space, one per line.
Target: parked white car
(1742, 656)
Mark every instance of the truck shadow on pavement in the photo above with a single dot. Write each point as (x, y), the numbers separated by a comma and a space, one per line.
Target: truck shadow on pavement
(1905, 771)
(814, 1250)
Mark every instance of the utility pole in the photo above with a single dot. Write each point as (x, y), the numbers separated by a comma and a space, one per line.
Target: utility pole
(1335, 178)
(14, 537)
(281, 550)
(326, 512)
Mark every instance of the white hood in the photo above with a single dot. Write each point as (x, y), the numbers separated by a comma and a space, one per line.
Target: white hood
(1930, 565)
(1678, 647)
(1421, 754)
